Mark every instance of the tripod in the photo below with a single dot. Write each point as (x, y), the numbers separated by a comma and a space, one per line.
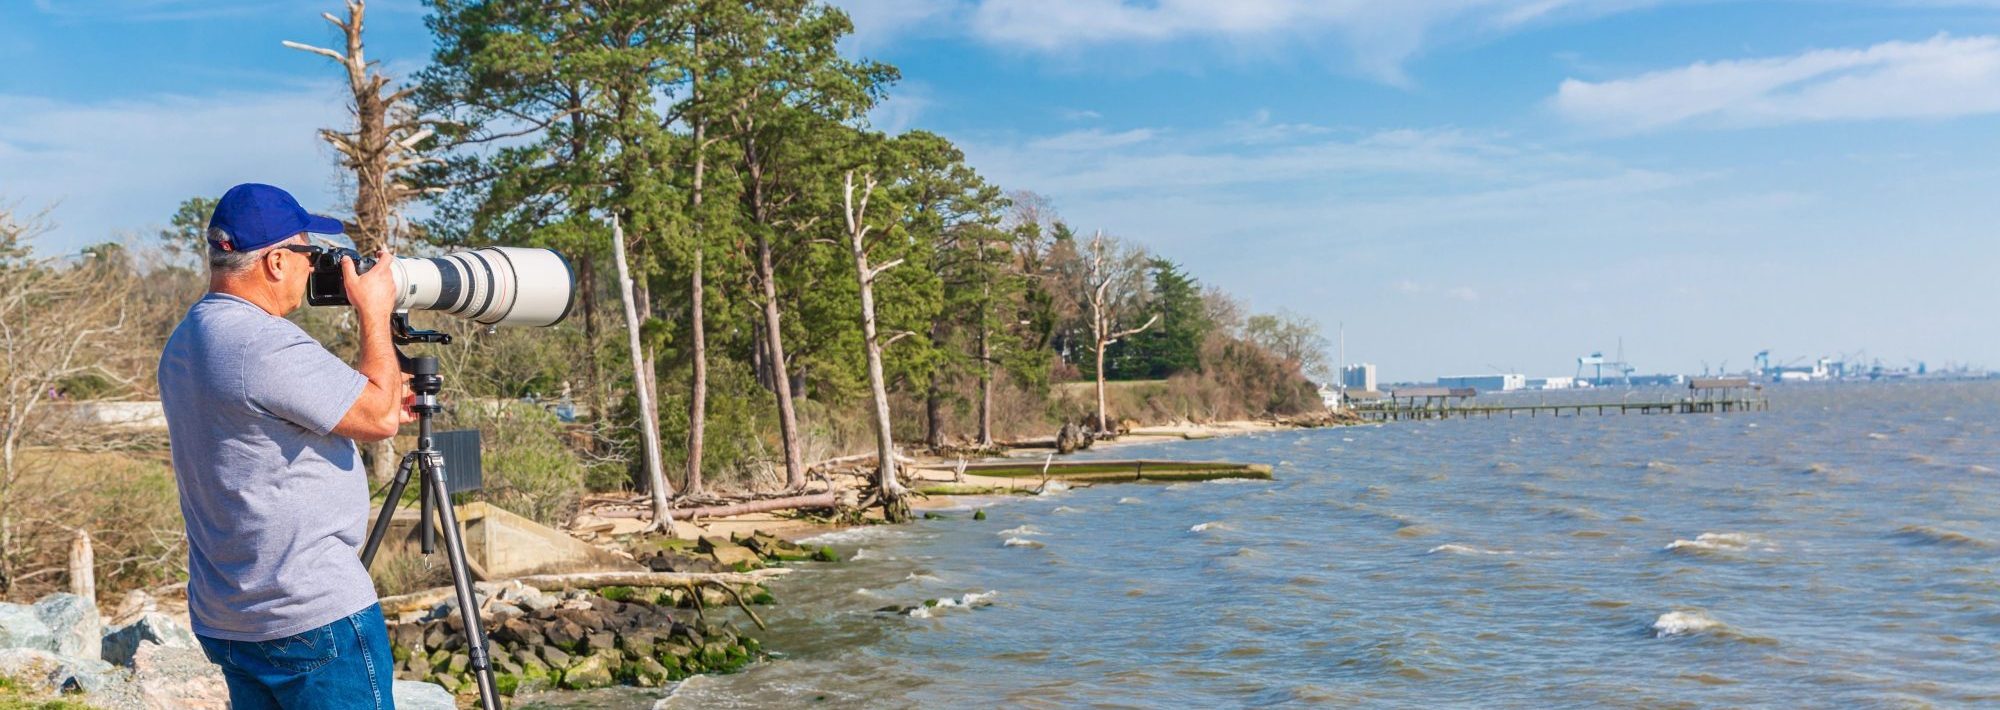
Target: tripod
(427, 463)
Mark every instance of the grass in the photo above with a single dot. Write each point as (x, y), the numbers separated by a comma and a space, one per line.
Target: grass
(14, 697)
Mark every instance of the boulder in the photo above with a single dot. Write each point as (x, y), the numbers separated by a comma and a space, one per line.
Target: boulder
(21, 627)
(412, 695)
(48, 672)
(154, 628)
(174, 677)
(592, 671)
(78, 628)
(734, 556)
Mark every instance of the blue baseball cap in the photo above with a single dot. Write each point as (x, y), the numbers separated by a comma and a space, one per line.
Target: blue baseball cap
(255, 216)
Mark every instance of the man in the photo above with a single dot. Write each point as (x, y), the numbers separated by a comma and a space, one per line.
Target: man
(263, 422)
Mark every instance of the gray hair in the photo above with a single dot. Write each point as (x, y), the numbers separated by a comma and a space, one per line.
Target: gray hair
(230, 263)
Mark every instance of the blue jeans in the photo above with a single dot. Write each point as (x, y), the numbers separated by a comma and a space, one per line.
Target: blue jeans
(345, 664)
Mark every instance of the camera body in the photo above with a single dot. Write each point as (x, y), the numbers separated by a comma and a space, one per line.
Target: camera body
(489, 285)
(327, 286)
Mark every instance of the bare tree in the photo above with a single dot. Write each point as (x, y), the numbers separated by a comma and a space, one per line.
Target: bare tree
(56, 321)
(1112, 281)
(380, 149)
(887, 486)
(649, 417)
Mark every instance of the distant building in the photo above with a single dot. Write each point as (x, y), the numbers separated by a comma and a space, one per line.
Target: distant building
(1360, 376)
(1486, 383)
(1552, 383)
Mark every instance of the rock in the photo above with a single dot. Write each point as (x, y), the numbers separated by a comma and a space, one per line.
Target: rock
(539, 602)
(600, 641)
(174, 677)
(979, 514)
(734, 556)
(151, 628)
(413, 695)
(78, 628)
(593, 671)
(48, 672)
(21, 627)
(650, 673)
(555, 658)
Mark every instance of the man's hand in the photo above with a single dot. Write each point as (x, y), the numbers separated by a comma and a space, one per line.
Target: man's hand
(372, 294)
(407, 415)
(384, 403)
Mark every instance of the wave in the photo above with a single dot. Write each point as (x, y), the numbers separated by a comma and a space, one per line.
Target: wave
(1721, 542)
(1686, 623)
(1695, 623)
(1130, 501)
(1066, 509)
(1022, 531)
(864, 554)
(1205, 527)
(1927, 535)
(850, 535)
(1021, 542)
(1660, 466)
(1452, 548)
(1053, 487)
(967, 601)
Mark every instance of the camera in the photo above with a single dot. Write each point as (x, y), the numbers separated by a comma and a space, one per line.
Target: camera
(490, 285)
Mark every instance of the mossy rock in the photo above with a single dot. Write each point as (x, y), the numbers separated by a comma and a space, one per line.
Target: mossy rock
(617, 594)
(826, 554)
(399, 653)
(507, 683)
(979, 514)
(762, 598)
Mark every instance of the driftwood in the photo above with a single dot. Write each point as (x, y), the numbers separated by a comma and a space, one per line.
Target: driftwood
(829, 499)
(428, 598)
(854, 458)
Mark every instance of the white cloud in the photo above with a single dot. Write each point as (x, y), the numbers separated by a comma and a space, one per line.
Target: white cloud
(122, 166)
(879, 22)
(1091, 140)
(1381, 36)
(1941, 77)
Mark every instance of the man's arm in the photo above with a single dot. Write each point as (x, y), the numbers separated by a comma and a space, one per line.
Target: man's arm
(382, 406)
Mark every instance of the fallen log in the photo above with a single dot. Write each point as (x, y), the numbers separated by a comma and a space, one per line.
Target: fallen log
(428, 598)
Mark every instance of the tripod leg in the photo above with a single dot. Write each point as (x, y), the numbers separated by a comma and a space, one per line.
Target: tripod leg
(461, 579)
(389, 503)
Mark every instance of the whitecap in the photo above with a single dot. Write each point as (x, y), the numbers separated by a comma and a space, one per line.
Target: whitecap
(1179, 486)
(973, 600)
(854, 534)
(1054, 487)
(1682, 623)
(1205, 527)
(864, 554)
(1022, 531)
(1129, 501)
(1020, 542)
(1457, 549)
(1066, 509)
(1722, 542)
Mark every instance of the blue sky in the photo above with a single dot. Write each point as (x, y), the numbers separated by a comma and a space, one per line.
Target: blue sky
(1468, 185)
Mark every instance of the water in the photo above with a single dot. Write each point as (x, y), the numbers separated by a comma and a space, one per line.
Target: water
(1841, 549)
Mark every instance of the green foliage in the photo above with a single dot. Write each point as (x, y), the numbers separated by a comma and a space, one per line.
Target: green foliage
(1173, 345)
(529, 467)
(185, 240)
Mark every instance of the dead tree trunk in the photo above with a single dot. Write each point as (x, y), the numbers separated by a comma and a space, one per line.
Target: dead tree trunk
(649, 423)
(381, 147)
(888, 487)
(1104, 318)
(697, 317)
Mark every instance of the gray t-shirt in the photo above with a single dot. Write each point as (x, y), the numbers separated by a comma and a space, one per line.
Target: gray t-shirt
(276, 505)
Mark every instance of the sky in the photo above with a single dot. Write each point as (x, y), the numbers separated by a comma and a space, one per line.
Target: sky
(1464, 186)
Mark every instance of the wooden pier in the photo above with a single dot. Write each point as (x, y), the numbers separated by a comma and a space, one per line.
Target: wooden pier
(1705, 396)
